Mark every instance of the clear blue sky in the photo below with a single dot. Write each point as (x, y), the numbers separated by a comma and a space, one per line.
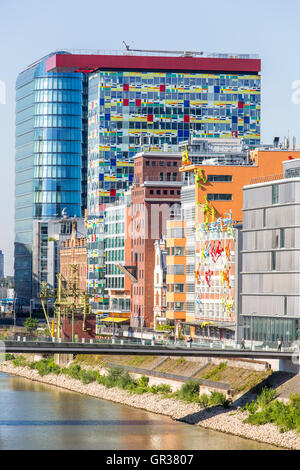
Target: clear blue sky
(30, 29)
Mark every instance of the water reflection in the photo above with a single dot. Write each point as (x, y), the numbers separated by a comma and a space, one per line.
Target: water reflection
(37, 416)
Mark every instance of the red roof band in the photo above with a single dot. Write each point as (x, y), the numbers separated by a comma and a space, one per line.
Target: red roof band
(89, 63)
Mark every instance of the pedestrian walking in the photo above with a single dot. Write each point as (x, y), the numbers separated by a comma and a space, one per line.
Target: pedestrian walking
(243, 344)
(279, 344)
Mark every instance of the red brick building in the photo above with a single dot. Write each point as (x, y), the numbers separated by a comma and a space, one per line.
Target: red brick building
(155, 195)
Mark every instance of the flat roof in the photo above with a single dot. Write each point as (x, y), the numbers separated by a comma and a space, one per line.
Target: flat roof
(161, 155)
(90, 62)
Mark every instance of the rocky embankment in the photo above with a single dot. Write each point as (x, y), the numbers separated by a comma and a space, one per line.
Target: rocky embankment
(228, 421)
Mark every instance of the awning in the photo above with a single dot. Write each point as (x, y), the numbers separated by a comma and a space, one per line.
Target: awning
(217, 324)
(114, 319)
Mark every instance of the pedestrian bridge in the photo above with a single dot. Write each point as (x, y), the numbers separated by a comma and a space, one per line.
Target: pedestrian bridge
(127, 347)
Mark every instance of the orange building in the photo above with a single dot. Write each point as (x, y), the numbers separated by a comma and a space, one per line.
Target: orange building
(219, 187)
(176, 271)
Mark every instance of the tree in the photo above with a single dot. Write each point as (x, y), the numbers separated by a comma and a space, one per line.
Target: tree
(30, 324)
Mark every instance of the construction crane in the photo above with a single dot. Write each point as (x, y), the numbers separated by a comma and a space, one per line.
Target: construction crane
(181, 53)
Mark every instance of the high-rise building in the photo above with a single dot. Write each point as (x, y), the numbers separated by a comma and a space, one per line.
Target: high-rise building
(51, 158)
(159, 100)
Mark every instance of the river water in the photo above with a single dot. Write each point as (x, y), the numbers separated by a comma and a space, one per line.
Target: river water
(37, 416)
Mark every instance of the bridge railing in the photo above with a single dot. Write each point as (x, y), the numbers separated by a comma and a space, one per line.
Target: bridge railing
(129, 341)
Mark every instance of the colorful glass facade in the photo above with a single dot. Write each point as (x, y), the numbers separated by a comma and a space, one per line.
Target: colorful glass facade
(129, 108)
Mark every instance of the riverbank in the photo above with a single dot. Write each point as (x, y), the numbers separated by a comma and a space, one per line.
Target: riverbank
(228, 421)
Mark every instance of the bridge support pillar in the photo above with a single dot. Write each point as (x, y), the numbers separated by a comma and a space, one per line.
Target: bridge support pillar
(63, 360)
(38, 357)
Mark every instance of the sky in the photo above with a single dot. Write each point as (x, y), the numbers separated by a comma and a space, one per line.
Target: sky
(31, 29)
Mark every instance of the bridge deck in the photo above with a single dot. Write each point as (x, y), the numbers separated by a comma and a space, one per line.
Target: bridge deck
(153, 350)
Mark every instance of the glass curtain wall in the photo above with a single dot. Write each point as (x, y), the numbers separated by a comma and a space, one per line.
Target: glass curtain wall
(51, 135)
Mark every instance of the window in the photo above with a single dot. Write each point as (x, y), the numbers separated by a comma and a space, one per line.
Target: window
(178, 192)
(179, 306)
(275, 194)
(174, 163)
(161, 163)
(264, 217)
(172, 191)
(174, 176)
(66, 228)
(168, 163)
(178, 250)
(178, 287)
(147, 163)
(165, 192)
(153, 163)
(168, 176)
(161, 176)
(158, 191)
(219, 197)
(273, 260)
(282, 238)
(176, 269)
(177, 232)
(285, 305)
(220, 178)
(151, 191)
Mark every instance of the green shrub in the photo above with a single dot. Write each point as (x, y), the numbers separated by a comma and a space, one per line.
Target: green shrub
(251, 407)
(126, 381)
(218, 398)
(19, 361)
(295, 400)
(101, 379)
(189, 391)
(161, 388)
(204, 400)
(9, 357)
(72, 371)
(88, 376)
(143, 381)
(45, 367)
(266, 396)
(286, 417)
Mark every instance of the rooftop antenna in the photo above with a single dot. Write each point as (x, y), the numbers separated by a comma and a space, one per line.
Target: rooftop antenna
(183, 53)
(127, 46)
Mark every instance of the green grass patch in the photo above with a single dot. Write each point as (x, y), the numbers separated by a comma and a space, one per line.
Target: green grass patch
(214, 374)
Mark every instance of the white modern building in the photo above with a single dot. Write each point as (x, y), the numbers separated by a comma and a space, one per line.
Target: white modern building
(271, 258)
